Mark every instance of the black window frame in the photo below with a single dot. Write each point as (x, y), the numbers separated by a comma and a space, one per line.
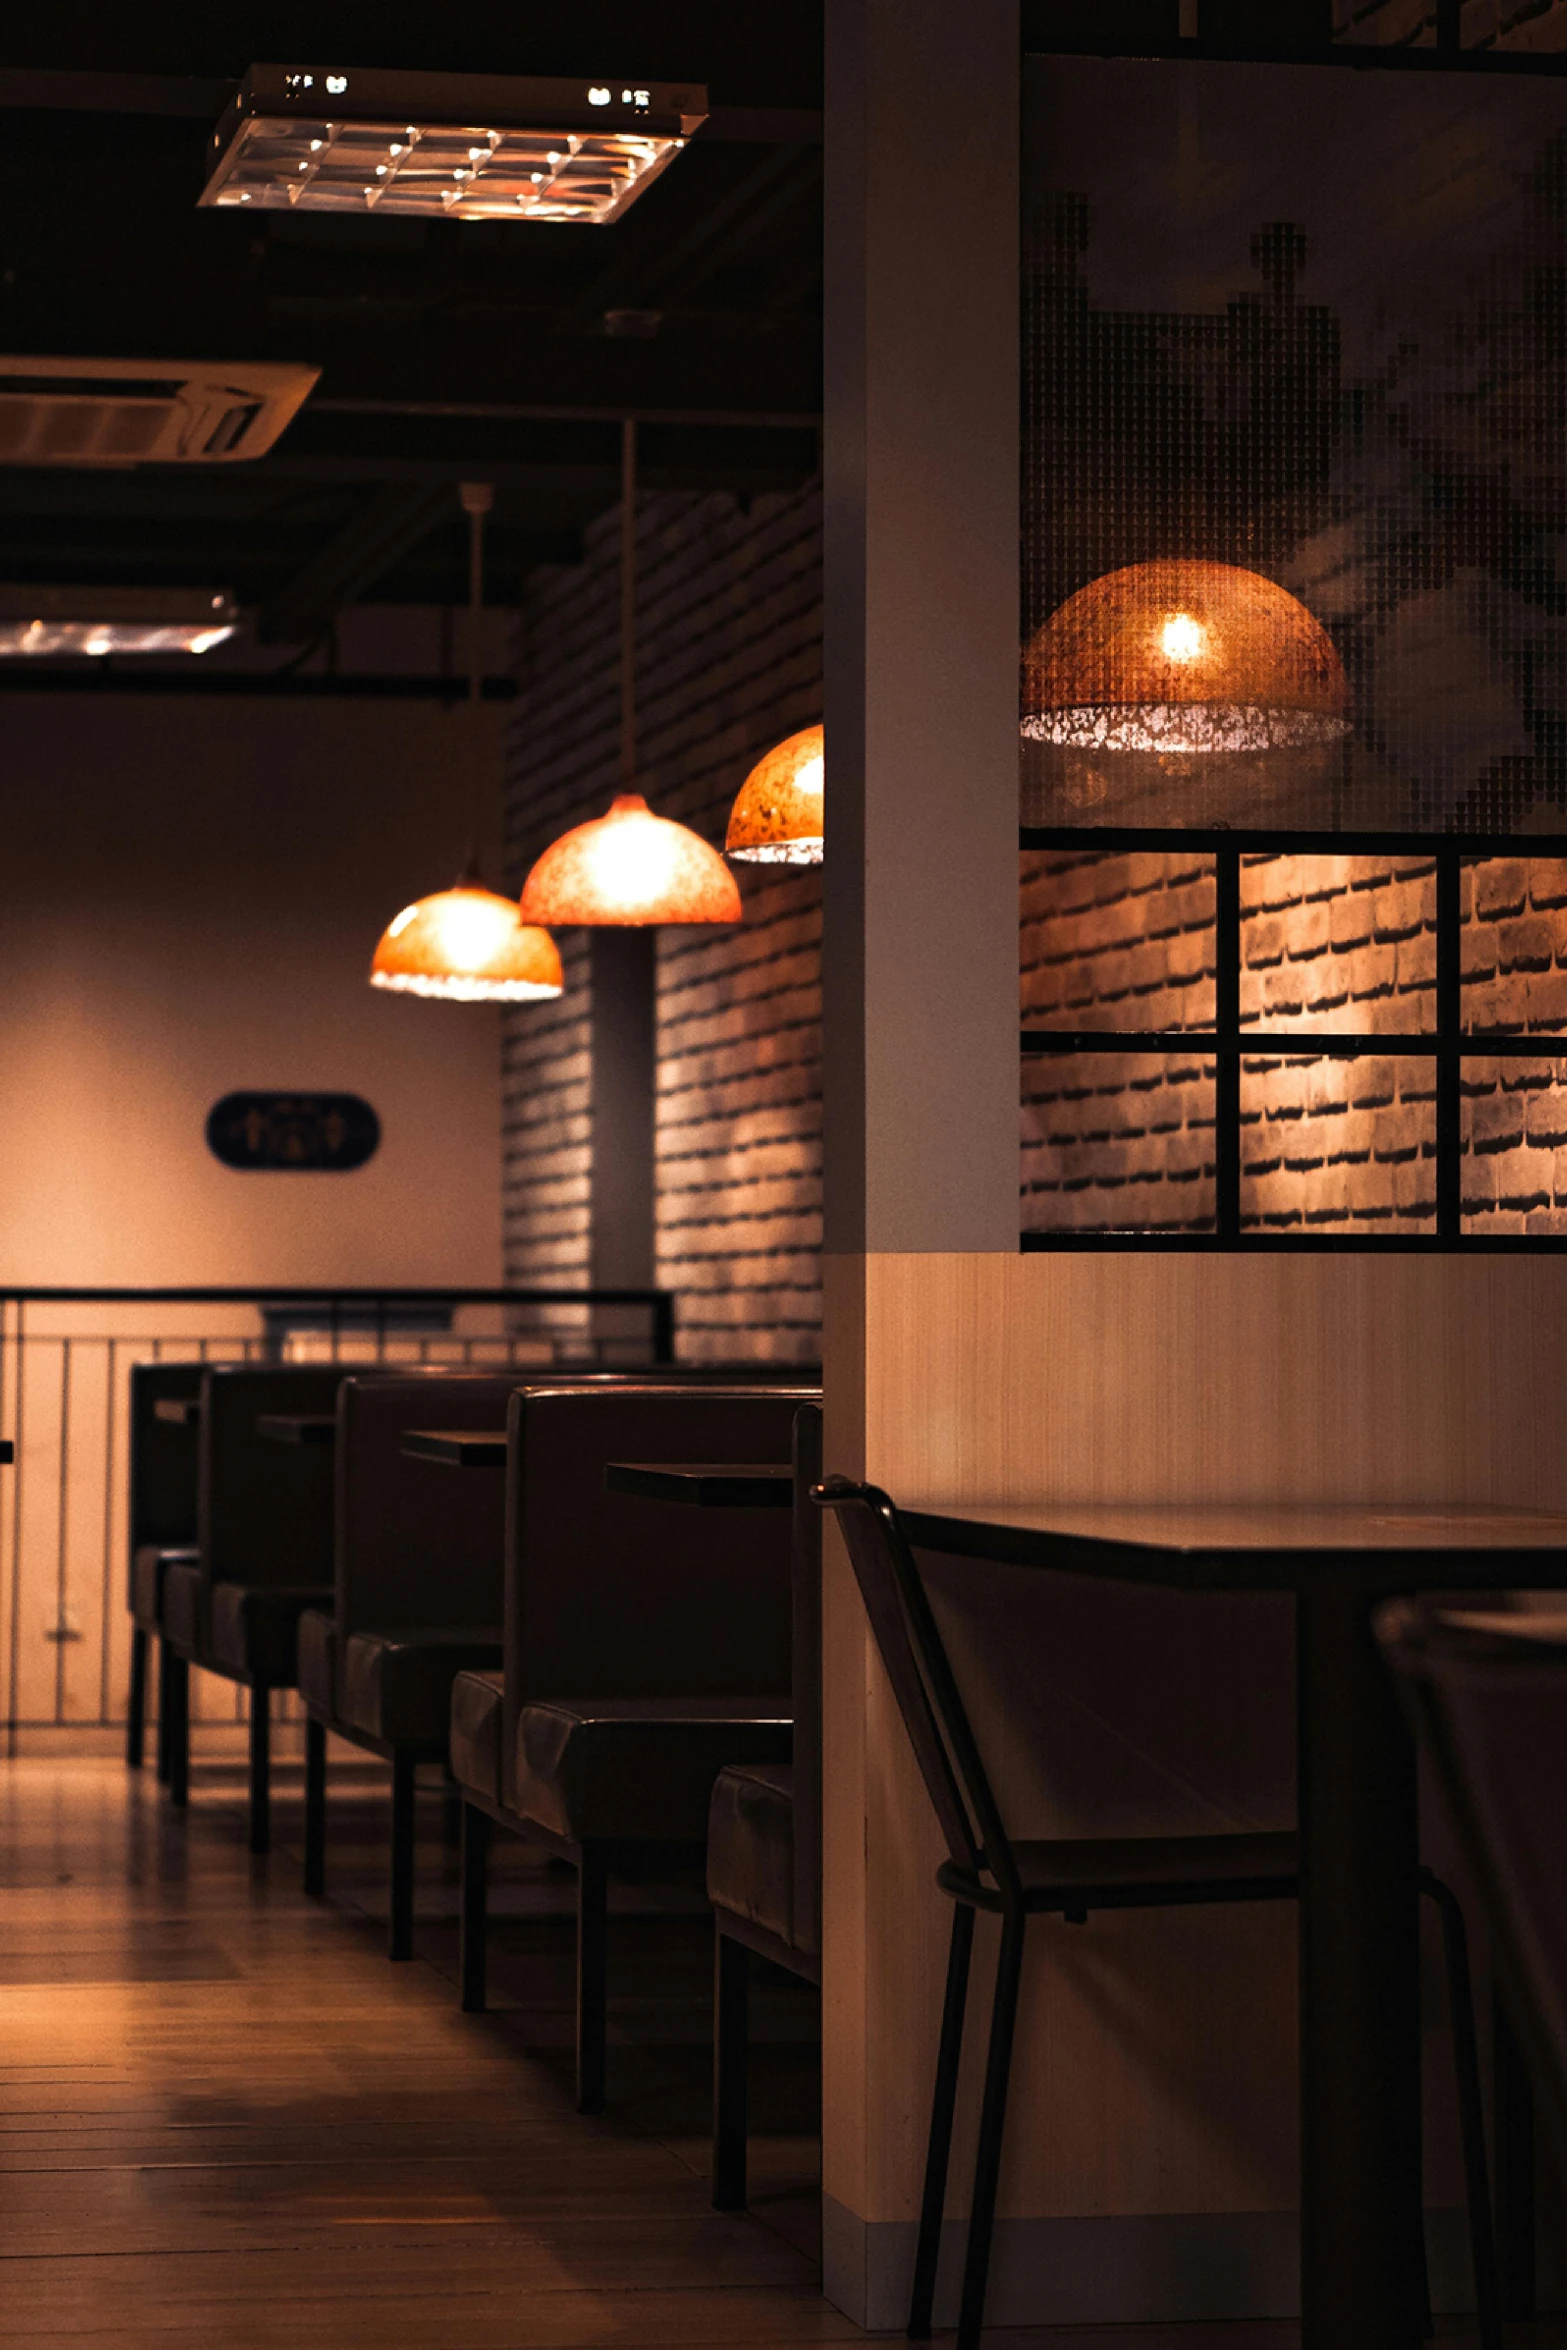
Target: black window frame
(1227, 1042)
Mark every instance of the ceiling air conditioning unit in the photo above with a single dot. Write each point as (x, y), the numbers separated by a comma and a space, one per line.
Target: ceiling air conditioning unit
(145, 411)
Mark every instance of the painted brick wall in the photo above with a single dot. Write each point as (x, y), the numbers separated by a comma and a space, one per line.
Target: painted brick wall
(1117, 942)
(1347, 943)
(1487, 24)
(729, 606)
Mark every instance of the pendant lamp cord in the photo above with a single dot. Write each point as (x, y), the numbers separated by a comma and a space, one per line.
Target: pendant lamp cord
(477, 499)
(628, 604)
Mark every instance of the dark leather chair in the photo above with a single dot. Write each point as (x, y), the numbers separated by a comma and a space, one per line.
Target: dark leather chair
(1486, 1688)
(764, 1843)
(162, 1526)
(264, 1555)
(988, 1869)
(676, 1630)
(417, 1599)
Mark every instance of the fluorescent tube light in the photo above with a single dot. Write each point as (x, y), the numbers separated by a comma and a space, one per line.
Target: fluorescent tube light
(35, 621)
(430, 146)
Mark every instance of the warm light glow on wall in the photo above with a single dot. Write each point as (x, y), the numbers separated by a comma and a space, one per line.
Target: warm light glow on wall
(1190, 658)
(629, 869)
(777, 815)
(466, 945)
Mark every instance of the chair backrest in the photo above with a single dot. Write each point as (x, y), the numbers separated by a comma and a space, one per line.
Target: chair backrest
(806, 1571)
(613, 1595)
(162, 1457)
(917, 1665)
(264, 1510)
(1487, 1693)
(417, 1544)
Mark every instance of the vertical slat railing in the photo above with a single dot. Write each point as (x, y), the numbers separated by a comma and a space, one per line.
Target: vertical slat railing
(64, 1523)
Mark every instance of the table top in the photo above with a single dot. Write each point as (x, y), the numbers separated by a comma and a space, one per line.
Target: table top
(297, 1427)
(706, 1485)
(180, 1411)
(457, 1448)
(1243, 1546)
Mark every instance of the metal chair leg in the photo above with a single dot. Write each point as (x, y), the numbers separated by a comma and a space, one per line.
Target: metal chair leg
(315, 1805)
(473, 1952)
(1512, 2105)
(165, 1716)
(1471, 2118)
(592, 1978)
(944, 2100)
(400, 1940)
(176, 1699)
(136, 1709)
(260, 1767)
(731, 2063)
(992, 2124)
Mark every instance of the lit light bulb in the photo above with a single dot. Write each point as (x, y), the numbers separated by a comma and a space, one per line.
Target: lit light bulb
(315, 146)
(1183, 638)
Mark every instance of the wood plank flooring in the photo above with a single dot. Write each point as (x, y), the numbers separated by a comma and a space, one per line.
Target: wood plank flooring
(227, 2121)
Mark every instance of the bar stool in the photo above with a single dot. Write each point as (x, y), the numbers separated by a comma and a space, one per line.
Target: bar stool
(987, 1869)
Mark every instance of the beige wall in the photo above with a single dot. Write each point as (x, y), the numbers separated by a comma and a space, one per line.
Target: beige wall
(190, 891)
(1150, 2167)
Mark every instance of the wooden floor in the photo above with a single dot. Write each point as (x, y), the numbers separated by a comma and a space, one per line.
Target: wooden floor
(229, 2123)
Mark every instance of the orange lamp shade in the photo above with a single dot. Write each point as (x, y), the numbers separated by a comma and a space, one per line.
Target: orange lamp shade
(467, 946)
(1190, 658)
(630, 868)
(777, 816)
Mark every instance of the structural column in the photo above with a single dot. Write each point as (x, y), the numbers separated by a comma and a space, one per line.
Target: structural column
(920, 914)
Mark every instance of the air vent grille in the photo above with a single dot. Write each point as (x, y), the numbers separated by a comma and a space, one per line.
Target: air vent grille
(128, 412)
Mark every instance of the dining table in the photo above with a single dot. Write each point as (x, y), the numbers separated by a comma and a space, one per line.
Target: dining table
(1362, 2284)
(705, 1485)
(297, 1427)
(456, 1448)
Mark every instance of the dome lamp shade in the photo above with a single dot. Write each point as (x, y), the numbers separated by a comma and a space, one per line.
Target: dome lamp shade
(1184, 658)
(627, 869)
(469, 946)
(777, 816)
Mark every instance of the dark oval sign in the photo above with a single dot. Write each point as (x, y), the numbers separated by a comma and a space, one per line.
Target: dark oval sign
(293, 1133)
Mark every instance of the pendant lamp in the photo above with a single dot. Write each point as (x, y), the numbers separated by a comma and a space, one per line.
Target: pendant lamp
(466, 944)
(777, 815)
(1189, 658)
(630, 868)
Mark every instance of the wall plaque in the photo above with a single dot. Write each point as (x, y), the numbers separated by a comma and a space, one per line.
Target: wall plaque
(298, 1133)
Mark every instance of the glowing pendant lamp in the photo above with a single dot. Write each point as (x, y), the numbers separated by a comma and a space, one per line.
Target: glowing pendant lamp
(630, 868)
(777, 815)
(466, 945)
(1184, 658)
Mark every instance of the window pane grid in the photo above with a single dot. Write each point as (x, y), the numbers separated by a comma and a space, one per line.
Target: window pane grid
(1376, 1069)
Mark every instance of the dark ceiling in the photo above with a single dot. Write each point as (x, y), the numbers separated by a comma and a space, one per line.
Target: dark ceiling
(448, 351)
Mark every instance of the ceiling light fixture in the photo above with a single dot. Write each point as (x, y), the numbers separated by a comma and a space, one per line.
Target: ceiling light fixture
(630, 868)
(38, 621)
(466, 944)
(1184, 658)
(777, 815)
(446, 146)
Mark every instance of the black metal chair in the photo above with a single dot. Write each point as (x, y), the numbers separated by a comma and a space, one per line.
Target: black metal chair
(986, 1869)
